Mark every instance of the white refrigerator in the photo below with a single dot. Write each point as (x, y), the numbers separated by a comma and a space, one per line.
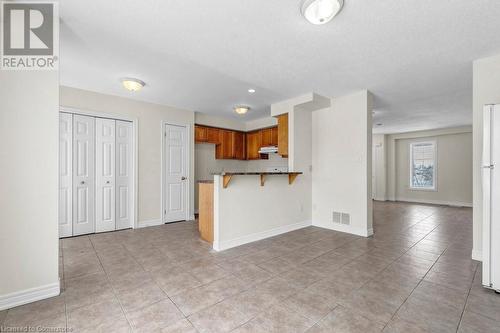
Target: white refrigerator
(491, 197)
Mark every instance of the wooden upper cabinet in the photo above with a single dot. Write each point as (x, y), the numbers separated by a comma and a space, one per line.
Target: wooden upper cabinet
(200, 134)
(283, 135)
(274, 136)
(239, 144)
(269, 136)
(227, 141)
(231, 144)
(213, 135)
(253, 145)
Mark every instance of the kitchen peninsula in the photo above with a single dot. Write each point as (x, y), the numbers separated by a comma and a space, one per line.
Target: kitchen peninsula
(206, 197)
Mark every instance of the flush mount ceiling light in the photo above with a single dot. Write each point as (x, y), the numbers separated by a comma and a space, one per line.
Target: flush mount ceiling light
(132, 84)
(251, 90)
(321, 11)
(241, 109)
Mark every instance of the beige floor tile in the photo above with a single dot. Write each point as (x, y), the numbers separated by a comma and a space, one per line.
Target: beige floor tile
(141, 296)
(3, 314)
(430, 315)
(277, 265)
(399, 326)
(475, 323)
(309, 305)
(155, 316)
(181, 326)
(342, 320)
(210, 273)
(57, 321)
(252, 302)
(486, 303)
(95, 315)
(222, 317)
(34, 312)
(279, 318)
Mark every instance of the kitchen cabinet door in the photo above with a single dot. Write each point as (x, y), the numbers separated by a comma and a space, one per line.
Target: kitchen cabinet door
(200, 134)
(213, 135)
(253, 145)
(283, 135)
(227, 144)
(266, 137)
(274, 136)
(239, 145)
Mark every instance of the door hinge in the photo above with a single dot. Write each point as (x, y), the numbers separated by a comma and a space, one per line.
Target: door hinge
(165, 212)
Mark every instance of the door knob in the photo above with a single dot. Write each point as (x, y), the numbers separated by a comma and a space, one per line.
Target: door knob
(183, 178)
(107, 181)
(82, 182)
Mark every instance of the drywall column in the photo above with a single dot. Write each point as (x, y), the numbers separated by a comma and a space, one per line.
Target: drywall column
(342, 158)
(486, 83)
(29, 159)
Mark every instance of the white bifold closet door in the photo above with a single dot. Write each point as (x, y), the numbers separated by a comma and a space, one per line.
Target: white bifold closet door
(65, 175)
(105, 175)
(124, 167)
(83, 175)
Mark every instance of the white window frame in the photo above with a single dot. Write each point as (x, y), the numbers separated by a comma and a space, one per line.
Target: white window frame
(434, 173)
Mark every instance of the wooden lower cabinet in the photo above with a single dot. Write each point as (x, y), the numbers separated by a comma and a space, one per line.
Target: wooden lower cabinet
(206, 211)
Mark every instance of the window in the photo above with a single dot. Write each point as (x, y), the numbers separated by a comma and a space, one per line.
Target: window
(423, 165)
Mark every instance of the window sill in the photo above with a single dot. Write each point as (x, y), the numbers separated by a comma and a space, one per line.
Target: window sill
(422, 189)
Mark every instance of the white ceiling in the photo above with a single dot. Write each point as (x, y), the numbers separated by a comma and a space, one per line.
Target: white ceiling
(415, 56)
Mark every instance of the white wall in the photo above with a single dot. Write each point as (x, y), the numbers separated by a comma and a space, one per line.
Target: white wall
(454, 167)
(150, 118)
(29, 141)
(486, 83)
(341, 162)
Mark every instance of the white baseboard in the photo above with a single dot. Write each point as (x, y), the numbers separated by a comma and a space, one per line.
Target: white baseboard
(224, 245)
(437, 202)
(149, 223)
(349, 229)
(29, 295)
(477, 255)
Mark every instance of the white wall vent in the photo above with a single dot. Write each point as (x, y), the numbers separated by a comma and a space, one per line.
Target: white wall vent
(341, 218)
(346, 219)
(336, 217)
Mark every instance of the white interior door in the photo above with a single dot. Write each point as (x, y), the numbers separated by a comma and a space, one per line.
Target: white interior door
(105, 175)
(83, 175)
(124, 169)
(176, 172)
(65, 174)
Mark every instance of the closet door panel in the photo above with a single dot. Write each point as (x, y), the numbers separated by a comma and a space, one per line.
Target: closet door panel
(124, 176)
(105, 175)
(83, 175)
(65, 175)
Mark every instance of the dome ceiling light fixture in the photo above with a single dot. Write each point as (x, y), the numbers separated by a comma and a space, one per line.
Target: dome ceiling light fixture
(321, 11)
(241, 109)
(132, 84)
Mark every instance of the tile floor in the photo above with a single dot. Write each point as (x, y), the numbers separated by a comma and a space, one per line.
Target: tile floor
(414, 275)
